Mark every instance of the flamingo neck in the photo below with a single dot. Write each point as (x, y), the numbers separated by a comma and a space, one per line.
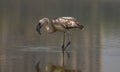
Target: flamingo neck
(49, 27)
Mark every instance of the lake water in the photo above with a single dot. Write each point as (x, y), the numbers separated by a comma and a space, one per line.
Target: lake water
(96, 48)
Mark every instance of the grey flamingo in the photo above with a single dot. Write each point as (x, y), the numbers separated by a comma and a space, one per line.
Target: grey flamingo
(62, 24)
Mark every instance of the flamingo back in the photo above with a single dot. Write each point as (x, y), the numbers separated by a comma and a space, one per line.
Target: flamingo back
(66, 22)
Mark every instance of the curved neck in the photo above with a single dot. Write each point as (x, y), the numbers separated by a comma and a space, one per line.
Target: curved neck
(49, 27)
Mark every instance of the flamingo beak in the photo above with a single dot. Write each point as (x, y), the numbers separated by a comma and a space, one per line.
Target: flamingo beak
(38, 27)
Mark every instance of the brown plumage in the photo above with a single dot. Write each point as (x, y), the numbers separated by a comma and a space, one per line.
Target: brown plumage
(66, 23)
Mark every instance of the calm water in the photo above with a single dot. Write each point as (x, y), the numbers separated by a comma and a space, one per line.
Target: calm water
(94, 49)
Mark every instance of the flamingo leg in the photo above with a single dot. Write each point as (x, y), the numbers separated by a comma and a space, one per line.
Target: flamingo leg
(69, 42)
(63, 46)
(68, 55)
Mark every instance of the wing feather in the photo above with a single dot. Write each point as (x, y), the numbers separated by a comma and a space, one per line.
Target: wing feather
(65, 21)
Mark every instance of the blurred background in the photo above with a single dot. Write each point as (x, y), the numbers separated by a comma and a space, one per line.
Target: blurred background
(96, 48)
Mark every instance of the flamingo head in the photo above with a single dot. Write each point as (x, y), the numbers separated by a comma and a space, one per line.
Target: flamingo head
(40, 24)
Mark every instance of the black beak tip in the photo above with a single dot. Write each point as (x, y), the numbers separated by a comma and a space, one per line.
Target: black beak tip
(38, 27)
(39, 33)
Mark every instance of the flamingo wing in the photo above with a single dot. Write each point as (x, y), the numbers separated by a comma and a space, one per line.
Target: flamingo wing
(66, 22)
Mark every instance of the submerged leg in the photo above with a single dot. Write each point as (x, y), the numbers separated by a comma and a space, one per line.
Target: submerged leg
(63, 46)
(68, 54)
(69, 40)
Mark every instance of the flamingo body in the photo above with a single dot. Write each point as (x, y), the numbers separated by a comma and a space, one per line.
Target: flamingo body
(66, 23)
(58, 24)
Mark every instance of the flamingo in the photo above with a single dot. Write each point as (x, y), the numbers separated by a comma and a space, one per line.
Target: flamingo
(62, 24)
